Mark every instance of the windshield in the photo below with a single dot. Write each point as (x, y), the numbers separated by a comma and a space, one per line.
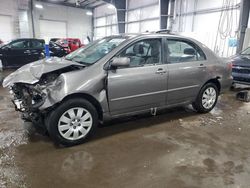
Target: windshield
(95, 50)
(246, 51)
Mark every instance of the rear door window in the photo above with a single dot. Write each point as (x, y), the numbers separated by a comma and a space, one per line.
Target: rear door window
(179, 51)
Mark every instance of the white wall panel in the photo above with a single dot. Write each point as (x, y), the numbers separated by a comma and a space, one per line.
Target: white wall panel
(151, 25)
(105, 20)
(108, 30)
(10, 9)
(114, 29)
(137, 18)
(204, 4)
(78, 23)
(203, 26)
(150, 12)
(249, 21)
(52, 29)
(111, 19)
(100, 32)
(24, 24)
(100, 21)
(134, 15)
(140, 3)
(246, 39)
(6, 28)
(133, 27)
(103, 10)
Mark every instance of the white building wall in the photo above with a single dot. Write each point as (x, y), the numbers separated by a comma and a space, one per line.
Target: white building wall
(105, 21)
(79, 24)
(9, 11)
(141, 16)
(206, 26)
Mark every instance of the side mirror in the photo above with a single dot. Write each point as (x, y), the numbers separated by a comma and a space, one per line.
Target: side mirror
(120, 62)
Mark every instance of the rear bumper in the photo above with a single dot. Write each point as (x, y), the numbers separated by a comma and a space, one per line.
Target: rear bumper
(240, 78)
(241, 83)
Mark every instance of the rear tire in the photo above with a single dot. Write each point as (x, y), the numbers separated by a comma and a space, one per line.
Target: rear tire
(207, 98)
(73, 122)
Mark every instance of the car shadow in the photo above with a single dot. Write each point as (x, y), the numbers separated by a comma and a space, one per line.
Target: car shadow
(125, 124)
(121, 125)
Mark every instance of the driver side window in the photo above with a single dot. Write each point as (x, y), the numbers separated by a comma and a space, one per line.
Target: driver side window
(143, 53)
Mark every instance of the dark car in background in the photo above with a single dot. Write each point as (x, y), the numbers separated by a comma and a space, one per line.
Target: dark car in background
(21, 51)
(241, 67)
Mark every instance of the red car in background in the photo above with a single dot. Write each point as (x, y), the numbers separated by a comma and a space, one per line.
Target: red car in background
(72, 43)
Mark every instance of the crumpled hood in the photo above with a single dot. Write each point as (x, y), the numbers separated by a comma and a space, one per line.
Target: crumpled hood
(32, 72)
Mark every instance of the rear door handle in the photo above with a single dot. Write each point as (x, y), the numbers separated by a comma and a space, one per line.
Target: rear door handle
(160, 71)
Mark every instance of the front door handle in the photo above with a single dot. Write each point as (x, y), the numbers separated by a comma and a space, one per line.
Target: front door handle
(160, 71)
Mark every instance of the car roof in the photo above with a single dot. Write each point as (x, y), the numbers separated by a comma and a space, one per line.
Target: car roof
(26, 39)
(152, 34)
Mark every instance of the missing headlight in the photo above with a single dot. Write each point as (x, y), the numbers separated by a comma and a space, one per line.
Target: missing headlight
(27, 97)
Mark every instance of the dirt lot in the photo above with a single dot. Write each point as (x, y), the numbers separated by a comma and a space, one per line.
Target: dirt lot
(177, 149)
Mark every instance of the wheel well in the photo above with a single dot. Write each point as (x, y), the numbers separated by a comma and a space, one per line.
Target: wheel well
(216, 82)
(91, 99)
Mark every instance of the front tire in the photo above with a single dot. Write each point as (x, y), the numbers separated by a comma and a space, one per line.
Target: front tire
(73, 122)
(207, 98)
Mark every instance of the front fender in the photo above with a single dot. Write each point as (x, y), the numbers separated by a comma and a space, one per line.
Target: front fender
(79, 82)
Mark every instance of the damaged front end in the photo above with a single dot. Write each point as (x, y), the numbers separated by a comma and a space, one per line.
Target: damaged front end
(28, 95)
(27, 99)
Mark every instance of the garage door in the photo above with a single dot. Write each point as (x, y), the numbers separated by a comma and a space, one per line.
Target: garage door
(6, 28)
(52, 29)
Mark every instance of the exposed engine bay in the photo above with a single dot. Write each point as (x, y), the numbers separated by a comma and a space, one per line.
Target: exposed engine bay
(27, 98)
